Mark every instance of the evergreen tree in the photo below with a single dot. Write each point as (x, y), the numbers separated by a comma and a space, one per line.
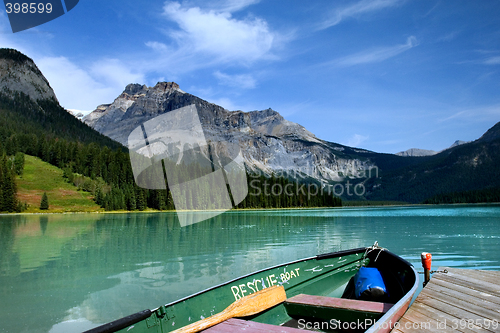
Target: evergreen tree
(44, 204)
(99, 197)
(19, 163)
(141, 200)
(8, 202)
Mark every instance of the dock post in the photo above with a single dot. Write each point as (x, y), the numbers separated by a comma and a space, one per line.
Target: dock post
(426, 264)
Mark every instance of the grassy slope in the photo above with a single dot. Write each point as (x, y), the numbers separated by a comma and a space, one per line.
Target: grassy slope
(39, 177)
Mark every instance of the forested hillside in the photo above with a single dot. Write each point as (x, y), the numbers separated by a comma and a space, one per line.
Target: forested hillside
(96, 163)
(469, 171)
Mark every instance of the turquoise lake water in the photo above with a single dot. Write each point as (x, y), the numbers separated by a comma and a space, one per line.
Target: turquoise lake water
(72, 272)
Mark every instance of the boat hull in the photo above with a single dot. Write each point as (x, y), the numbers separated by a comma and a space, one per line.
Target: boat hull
(324, 275)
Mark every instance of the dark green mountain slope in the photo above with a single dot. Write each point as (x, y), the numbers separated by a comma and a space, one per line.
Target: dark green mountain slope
(23, 121)
(469, 167)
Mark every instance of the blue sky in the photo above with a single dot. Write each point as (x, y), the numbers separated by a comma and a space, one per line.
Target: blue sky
(384, 75)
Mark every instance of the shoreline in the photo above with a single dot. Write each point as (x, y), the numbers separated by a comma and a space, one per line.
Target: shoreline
(247, 209)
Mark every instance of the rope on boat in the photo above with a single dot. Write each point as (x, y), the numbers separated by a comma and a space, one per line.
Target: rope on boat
(374, 247)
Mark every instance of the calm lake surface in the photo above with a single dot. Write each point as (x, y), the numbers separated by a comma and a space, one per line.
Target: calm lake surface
(68, 273)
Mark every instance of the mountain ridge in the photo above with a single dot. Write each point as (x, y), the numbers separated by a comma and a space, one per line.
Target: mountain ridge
(273, 145)
(417, 152)
(269, 142)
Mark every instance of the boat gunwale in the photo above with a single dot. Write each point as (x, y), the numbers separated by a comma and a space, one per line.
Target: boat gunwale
(317, 257)
(399, 305)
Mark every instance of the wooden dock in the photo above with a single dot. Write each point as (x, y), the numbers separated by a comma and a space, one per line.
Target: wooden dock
(462, 300)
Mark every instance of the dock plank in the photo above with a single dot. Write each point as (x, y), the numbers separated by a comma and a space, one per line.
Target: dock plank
(468, 291)
(457, 314)
(439, 316)
(472, 281)
(455, 311)
(419, 322)
(488, 276)
(466, 302)
(461, 300)
(469, 284)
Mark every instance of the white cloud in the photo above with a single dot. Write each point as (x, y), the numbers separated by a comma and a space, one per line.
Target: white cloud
(376, 55)
(226, 103)
(356, 140)
(218, 35)
(157, 46)
(243, 81)
(114, 73)
(228, 5)
(492, 61)
(361, 7)
(85, 89)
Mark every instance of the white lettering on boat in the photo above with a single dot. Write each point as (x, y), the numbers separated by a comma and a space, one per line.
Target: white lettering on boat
(314, 270)
(250, 287)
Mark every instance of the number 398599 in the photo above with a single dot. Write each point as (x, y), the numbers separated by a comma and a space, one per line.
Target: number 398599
(28, 8)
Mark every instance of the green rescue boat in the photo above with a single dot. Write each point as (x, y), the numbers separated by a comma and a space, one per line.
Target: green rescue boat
(359, 290)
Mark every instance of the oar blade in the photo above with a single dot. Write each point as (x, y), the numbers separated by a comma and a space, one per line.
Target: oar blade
(257, 302)
(249, 305)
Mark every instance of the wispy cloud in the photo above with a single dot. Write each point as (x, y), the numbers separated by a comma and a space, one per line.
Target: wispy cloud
(449, 36)
(459, 114)
(356, 140)
(361, 7)
(486, 57)
(217, 35)
(244, 81)
(375, 55)
(492, 61)
(157, 46)
(489, 113)
(230, 6)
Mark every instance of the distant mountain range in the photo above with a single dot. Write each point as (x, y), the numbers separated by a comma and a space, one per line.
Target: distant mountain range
(269, 143)
(416, 152)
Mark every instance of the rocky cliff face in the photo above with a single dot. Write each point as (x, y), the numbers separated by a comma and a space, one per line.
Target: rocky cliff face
(416, 152)
(268, 142)
(18, 73)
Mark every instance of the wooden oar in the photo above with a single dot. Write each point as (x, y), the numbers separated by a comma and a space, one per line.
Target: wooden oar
(246, 306)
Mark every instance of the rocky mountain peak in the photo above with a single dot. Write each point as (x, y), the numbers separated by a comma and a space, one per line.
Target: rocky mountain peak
(492, 134)
(416, 152)
(18, 73)
(268, 141)
(458, 143)
(167, 87)
(134, 88)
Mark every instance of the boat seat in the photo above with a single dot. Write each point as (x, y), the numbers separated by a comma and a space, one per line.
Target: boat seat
(332, 307)
(247, 326)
